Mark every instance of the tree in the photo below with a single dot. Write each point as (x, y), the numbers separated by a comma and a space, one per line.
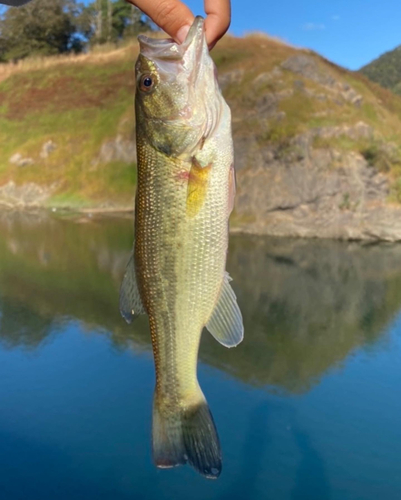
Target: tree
(109, 20)
(114, 20)
(128, 20)
(42, 27)
(46, 27)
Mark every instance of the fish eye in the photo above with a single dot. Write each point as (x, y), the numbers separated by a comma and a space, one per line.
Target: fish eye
(147, 83)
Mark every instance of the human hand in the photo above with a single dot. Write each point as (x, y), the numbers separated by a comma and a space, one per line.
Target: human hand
(13, 3)
(175, 18)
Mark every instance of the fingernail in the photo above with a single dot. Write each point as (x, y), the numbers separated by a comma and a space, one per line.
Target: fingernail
(182, 33)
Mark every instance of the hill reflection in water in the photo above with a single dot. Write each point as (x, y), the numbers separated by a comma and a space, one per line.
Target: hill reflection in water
(307, 304)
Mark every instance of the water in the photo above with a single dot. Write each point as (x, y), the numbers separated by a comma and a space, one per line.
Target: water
(308, 407)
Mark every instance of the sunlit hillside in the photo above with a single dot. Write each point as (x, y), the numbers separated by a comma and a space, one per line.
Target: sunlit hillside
(79, 104)
(67, 127)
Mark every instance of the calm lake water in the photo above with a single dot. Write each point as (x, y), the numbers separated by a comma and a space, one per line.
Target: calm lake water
(308, 407)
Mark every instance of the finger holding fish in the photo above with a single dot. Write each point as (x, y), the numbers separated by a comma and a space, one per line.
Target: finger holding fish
(175, 18)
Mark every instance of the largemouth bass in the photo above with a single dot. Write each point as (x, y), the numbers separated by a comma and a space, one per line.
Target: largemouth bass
(177, 272)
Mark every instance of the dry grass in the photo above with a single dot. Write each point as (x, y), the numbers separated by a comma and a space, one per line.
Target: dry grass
(98, 56)
(109, 52)
(264, 36)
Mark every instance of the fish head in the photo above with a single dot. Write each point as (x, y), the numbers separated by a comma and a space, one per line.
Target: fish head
(178, 101)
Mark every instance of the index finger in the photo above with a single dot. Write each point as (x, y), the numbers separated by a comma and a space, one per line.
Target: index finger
(172, 16)
(217, 21)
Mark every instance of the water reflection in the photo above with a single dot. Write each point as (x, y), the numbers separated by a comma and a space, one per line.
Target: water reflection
(252, 464)
(311, 475)
(306, 304)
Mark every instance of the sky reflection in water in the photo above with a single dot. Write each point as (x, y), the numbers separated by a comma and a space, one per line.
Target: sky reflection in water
(307, 407)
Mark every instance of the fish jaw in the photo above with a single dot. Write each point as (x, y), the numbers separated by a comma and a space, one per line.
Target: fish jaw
(191, 55)
(185, 105)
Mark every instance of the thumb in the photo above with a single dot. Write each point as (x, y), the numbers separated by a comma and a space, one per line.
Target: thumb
(172, 16)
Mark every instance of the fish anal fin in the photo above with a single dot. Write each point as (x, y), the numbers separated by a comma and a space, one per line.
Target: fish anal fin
(130, 301)
(225, 323)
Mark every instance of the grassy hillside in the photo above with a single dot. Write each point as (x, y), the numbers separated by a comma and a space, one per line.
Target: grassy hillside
(78, 103)
(84, 104)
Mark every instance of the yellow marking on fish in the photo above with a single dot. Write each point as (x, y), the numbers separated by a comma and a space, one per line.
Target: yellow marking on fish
(197, 187)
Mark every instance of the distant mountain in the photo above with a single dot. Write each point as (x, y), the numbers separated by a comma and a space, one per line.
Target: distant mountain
(386, 70)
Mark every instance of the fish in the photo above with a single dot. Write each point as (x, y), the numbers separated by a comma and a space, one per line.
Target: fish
(176, 274)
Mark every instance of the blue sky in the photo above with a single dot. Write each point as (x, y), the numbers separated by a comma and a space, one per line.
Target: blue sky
(348, 32)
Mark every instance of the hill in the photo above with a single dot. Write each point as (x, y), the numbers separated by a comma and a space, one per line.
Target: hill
(317, 147)
(386, 70)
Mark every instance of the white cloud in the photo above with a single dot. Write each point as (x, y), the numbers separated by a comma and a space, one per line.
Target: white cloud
(313, 27)
(335, 17)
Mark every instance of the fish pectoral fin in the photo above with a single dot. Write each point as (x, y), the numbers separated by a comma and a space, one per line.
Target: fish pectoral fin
(231, 189)
(130, 301)
(197, 186)
(225, 323)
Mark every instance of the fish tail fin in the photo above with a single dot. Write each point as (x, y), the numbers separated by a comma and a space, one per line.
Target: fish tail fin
(168, 442)
(186, 436)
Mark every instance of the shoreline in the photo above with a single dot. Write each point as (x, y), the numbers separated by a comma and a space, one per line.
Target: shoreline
(86, 210)
(236, 228)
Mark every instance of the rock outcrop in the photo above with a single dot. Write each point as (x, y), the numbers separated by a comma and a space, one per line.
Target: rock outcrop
(28, 195)
(305, 184)
(318, 193)
(118, 149)
(20, 161)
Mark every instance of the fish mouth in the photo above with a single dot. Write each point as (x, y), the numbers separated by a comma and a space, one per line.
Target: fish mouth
(186, 70)
(166, 49)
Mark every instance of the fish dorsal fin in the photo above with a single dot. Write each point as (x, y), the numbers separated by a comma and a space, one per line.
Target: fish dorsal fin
(225, 323)
(130, 301)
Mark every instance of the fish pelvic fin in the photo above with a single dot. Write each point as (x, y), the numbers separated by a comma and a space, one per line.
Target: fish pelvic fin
(130, 301)
(187, 435)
